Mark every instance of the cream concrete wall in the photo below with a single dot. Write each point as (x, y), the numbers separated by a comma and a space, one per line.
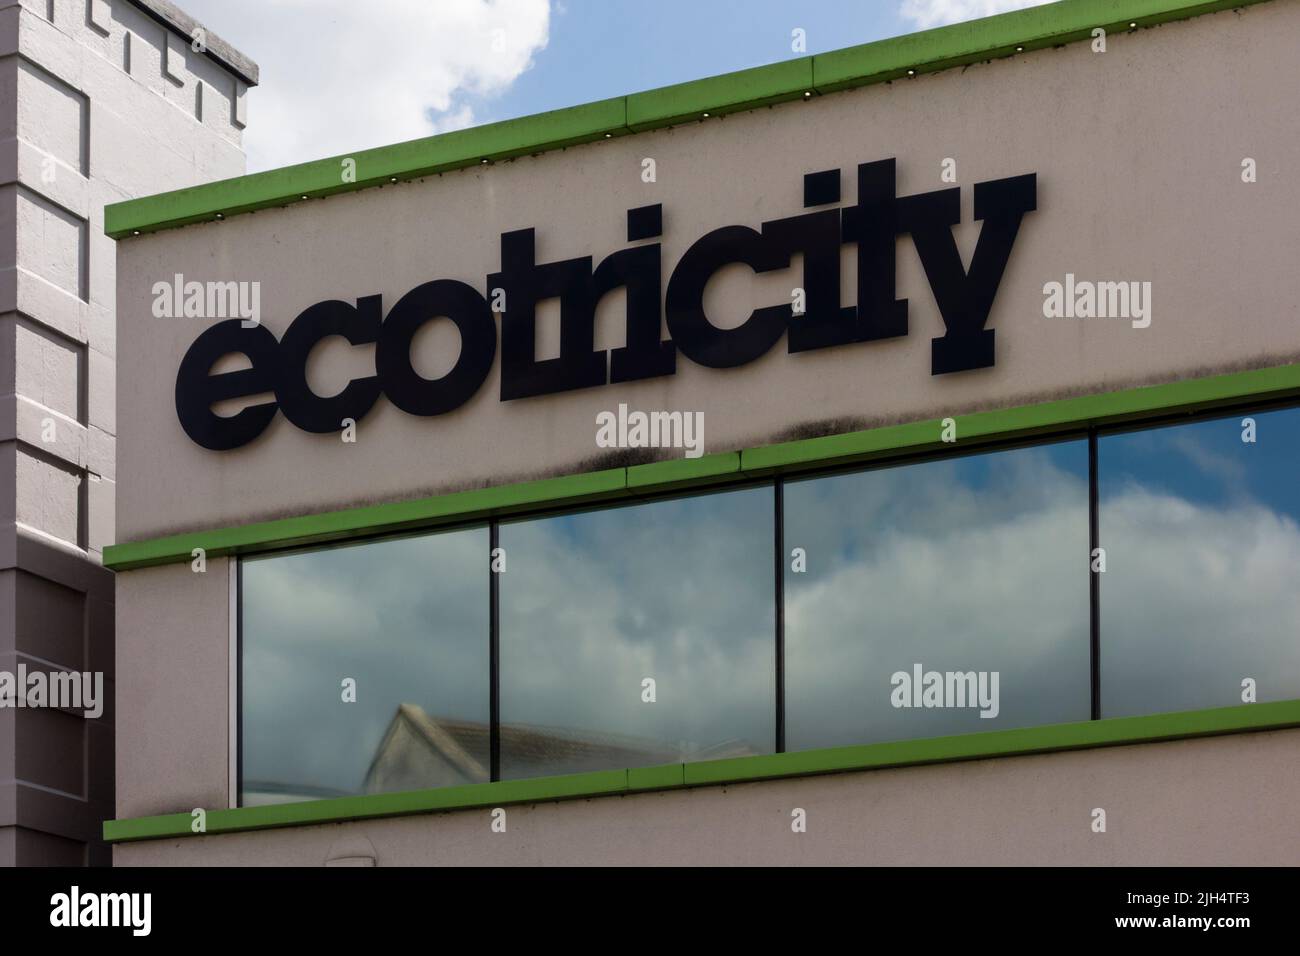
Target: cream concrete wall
(1138, 153)
(173, 691)
(1222, 801)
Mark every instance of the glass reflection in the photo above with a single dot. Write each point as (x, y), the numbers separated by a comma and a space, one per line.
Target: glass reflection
(407, 620)
(1202, 583)
(965, 566)
(593, 605)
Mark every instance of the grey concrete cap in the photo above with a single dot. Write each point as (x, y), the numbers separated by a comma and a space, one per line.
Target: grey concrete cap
(174, 18)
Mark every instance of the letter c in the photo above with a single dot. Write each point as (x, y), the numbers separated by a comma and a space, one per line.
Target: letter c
(302, 406)
(697, 338)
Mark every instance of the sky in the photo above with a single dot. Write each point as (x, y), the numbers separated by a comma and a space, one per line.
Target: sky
(342, 75)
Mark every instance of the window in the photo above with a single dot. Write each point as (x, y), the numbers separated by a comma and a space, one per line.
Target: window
(973, 566)
(1202, 583)
(595, 605)
(906, 600)
(405, 619)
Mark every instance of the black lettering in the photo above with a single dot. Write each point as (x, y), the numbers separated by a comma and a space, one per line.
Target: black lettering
(526, 283)
(873, 224)
(302, 406)
(695, 336)
(468, 311)
(966, 298)
(823, 322)
(197, 390)
(638, 271)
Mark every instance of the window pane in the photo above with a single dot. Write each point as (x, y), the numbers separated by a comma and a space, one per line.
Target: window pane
(1202, 583)
(407, 620)
(594, 604)
(960, 566)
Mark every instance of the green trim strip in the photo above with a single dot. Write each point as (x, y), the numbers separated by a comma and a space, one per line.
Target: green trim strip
(718, 95)
(460, 506)
(681, 472)
(718, 470)
(1108, 408)
(989, 38)
(999, 743)
(928, 51)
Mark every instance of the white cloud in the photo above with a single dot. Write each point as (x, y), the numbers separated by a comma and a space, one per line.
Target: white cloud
(1197, 595)
(339, 76)
(933, 13)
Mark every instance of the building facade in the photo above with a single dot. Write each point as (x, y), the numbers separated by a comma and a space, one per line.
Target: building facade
(882, 456)
(100, 101)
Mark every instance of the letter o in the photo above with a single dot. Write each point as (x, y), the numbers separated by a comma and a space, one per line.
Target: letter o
(442, 298)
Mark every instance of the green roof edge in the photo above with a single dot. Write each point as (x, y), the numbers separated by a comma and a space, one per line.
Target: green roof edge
(881, 61)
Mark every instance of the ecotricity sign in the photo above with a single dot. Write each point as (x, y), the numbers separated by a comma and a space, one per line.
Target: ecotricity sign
(964, 299)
